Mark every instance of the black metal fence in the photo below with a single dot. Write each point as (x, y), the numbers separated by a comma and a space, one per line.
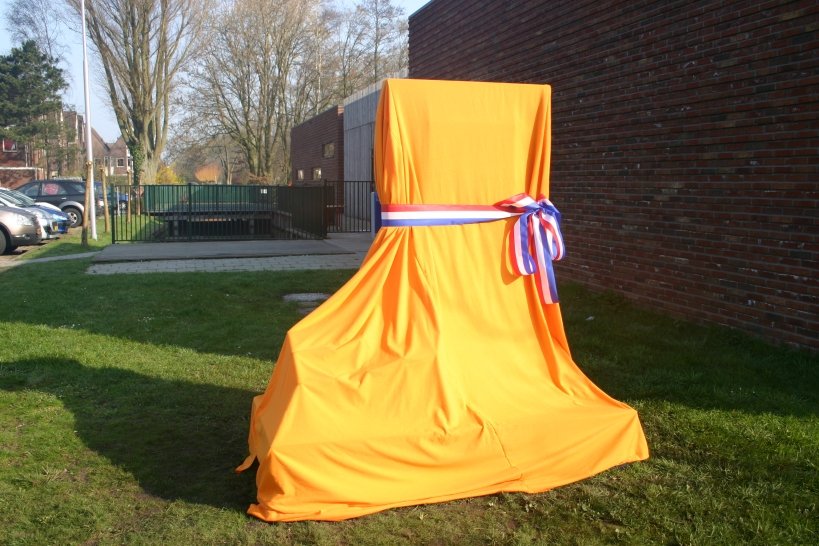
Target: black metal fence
(154, 213)
(347, 203)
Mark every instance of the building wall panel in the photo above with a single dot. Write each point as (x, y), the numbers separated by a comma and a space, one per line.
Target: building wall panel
(685, 152)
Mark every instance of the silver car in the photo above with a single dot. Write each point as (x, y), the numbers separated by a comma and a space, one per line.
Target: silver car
(53, 221)
(18, 227)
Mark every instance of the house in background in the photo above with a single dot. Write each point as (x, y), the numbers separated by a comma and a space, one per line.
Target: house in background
(16, 164)
(114, 158)
(20, 163)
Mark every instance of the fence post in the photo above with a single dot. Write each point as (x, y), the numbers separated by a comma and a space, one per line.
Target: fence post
(115, 219)
(325, 223)
(190, 212)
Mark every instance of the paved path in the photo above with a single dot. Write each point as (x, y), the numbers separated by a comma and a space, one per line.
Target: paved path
(274, 263)
(340, 251)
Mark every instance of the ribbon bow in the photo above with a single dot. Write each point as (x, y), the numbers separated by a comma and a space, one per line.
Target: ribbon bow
(538, 227)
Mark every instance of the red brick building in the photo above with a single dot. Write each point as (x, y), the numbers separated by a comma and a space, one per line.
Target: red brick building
(317, 147)
(114, 157)
(21, 161)
(685, 143)
(17, 164)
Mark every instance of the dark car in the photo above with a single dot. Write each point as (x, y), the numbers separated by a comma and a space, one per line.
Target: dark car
(122, 198)
(67, 194)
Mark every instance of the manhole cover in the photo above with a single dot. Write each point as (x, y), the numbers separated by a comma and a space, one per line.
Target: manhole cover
(311, 297)
(307, 301)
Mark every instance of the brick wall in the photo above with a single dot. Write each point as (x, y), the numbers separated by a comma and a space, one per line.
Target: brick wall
(307, 145)
(685, 143)
(14, 177)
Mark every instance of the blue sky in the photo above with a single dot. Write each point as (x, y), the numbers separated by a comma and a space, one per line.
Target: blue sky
(102, 119)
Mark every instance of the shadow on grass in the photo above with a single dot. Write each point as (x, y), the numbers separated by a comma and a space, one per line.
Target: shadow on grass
(47, 250)
(179, 440)
(631, 353)
(636, 354)
(234, 313)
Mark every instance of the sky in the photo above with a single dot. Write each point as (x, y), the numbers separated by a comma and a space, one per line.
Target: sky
(102, 118)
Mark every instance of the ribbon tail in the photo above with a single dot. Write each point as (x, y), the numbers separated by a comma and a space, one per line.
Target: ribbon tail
(547, 287)
(523, 260)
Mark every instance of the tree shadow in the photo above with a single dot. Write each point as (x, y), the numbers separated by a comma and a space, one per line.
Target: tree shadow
(228, 313)
(47, 250)
(637, 354)
(180, 440)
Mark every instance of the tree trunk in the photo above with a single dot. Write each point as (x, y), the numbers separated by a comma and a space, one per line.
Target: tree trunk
(104, 185)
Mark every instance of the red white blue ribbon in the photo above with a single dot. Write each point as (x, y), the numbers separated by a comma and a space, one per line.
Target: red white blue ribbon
(538, 227)
(536, 241)
(440, 215)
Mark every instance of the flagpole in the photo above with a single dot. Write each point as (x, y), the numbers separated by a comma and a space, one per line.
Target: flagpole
(89, 149)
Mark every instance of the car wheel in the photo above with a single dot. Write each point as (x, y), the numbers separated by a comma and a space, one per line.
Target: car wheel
(5, 244)
(74, 216)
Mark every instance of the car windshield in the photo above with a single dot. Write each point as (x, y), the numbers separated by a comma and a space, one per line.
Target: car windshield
(17, 197)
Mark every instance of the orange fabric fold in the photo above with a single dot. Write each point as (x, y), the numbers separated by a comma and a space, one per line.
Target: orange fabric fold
(435, 373)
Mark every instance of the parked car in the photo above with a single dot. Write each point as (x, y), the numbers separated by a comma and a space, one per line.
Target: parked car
(53, 221)
(121, 198)
(67, 194)
(18, 227)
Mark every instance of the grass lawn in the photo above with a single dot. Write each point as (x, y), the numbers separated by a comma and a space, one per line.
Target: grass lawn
(69, 243)
(124, 407)
(140, 228)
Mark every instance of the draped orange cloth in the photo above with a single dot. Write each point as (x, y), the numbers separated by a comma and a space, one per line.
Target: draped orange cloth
(436, 373)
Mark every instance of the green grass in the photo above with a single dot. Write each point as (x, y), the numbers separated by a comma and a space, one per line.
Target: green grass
(141, 228)
(69, 243)
(124, 407)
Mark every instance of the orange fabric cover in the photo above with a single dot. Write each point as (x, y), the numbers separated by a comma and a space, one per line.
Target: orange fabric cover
(435, 373)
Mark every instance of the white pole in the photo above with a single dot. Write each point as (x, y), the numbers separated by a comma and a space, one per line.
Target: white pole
(89, 150)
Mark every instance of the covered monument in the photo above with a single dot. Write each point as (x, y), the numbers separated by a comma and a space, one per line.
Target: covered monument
(439, 371)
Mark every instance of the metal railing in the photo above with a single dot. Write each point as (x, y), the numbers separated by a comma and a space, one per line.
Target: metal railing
(190, 212)
(347, 203)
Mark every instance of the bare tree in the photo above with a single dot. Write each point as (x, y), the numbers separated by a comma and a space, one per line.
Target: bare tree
(38, 20)
(348, 58)
(142, 45)
(274, 63)
(385, 36)
(258, 77)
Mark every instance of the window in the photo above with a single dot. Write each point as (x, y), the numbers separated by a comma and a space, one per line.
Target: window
(300, 174)
(9, 145)
(32, 191)
(120, 162)
(50, 188)
(330, 150)
(316, 173)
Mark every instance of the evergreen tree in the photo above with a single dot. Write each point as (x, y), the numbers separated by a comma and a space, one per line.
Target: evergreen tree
(30, 87)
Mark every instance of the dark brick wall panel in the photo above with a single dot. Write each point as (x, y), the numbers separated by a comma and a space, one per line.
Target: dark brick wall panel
(685, 143)
(16, 177)
(307, 145)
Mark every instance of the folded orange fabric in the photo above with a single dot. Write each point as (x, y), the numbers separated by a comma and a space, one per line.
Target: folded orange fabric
(436, 372)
